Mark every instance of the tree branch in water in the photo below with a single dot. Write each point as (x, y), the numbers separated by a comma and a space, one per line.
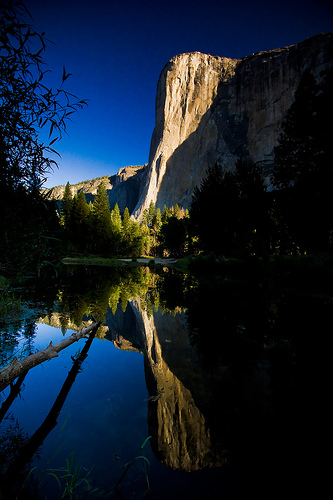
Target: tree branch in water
(18, 367)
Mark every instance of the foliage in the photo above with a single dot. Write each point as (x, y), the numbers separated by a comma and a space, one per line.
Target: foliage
(232, 213)
(27, 105)
(27, 108)
(70, 478)
(303, 172)
(227, 212)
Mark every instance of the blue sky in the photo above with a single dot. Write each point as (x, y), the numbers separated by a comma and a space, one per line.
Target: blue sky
(116, 50)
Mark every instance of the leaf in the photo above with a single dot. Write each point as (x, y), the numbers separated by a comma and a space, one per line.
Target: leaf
(54, 140)
(145, 441)
(65, 75)
(56, 477)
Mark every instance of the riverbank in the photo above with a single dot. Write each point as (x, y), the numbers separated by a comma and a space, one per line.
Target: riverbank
(118, 262)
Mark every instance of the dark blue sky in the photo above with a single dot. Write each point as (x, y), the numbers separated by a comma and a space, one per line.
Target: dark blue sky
(116, 50)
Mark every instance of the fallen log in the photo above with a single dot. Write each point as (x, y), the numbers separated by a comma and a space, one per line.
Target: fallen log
(19, 366)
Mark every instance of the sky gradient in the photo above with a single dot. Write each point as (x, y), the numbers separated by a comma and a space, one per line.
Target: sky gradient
(116, 50)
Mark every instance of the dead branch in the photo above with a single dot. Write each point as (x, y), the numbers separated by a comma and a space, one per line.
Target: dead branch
(19, 366)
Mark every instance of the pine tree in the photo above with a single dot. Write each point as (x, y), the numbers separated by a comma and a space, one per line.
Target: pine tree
(303, 165)
(144, 220)
(126, 223)
(116, 222)
(101, 219)
(66, 207)
(80, 209)
(297, 152)
(166, 213)
(151, 213)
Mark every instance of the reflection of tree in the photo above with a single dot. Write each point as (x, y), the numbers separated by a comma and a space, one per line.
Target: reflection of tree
(14, 391)
(101, 291)
(15, 471)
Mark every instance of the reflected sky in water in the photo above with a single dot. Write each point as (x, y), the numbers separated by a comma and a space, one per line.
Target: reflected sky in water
(176, 361)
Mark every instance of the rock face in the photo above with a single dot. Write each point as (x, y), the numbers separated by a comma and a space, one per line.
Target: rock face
(122, 188)
(213, 109)
(181, 434)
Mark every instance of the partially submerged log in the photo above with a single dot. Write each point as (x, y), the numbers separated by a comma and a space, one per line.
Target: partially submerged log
(19, 366)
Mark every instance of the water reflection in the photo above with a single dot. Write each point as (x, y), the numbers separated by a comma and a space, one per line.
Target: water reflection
(221, 360)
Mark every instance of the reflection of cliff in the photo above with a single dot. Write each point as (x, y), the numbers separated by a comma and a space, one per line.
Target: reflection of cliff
(181, 436)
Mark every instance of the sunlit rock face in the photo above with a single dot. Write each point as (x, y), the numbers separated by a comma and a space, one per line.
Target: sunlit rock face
(213, 109)
(181, 437)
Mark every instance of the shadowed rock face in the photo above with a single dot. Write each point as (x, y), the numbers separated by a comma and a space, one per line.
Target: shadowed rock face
(213, 109)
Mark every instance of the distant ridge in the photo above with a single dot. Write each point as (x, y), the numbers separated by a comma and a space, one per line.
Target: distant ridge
(123, 188)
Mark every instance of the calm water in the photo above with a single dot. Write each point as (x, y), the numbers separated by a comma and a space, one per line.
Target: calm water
(188, 390)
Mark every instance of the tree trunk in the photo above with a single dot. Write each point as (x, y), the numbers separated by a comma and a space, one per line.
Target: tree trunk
(18, 367)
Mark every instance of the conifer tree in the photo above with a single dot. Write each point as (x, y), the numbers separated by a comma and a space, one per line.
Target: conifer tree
(126, 223)
(151, 213)
(296, 153)
(101, 218)
(66, 207)
(116, 222)
(79, 216)
(166, 213)
(303, 171)
(144, 220)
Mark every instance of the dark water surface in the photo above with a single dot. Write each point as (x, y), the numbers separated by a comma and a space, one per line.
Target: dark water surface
(190, 389)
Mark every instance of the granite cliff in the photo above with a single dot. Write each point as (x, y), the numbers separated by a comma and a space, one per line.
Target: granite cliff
(123, 188)
(214, 109)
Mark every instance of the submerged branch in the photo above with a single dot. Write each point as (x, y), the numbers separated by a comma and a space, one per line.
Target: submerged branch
(18, 367)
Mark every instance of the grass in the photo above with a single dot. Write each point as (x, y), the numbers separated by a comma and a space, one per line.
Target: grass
(69, 478)
(145, 462)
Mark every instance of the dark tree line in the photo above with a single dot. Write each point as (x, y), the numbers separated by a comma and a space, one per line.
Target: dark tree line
(233, 213)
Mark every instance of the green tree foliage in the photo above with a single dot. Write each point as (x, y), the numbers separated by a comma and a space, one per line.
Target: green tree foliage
(101, 220)
(27, 107)
(80, 221)
(66, 207)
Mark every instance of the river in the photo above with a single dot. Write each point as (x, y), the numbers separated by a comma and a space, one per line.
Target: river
(189, 390)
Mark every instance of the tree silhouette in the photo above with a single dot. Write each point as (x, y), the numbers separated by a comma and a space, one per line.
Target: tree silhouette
(27, 107)
(303, 166)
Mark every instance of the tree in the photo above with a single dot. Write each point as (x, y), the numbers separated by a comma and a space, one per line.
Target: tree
(27, 107)
(253, 225)
(173, 236)
(79, 215)
(151, 213)
(228, 214)
(66, 207)
(303, 165)
(101, 220)
(296, 152)
(212, 211)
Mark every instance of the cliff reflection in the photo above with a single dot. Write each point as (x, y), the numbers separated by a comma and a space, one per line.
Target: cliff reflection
(220, 359)
(182, 437)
